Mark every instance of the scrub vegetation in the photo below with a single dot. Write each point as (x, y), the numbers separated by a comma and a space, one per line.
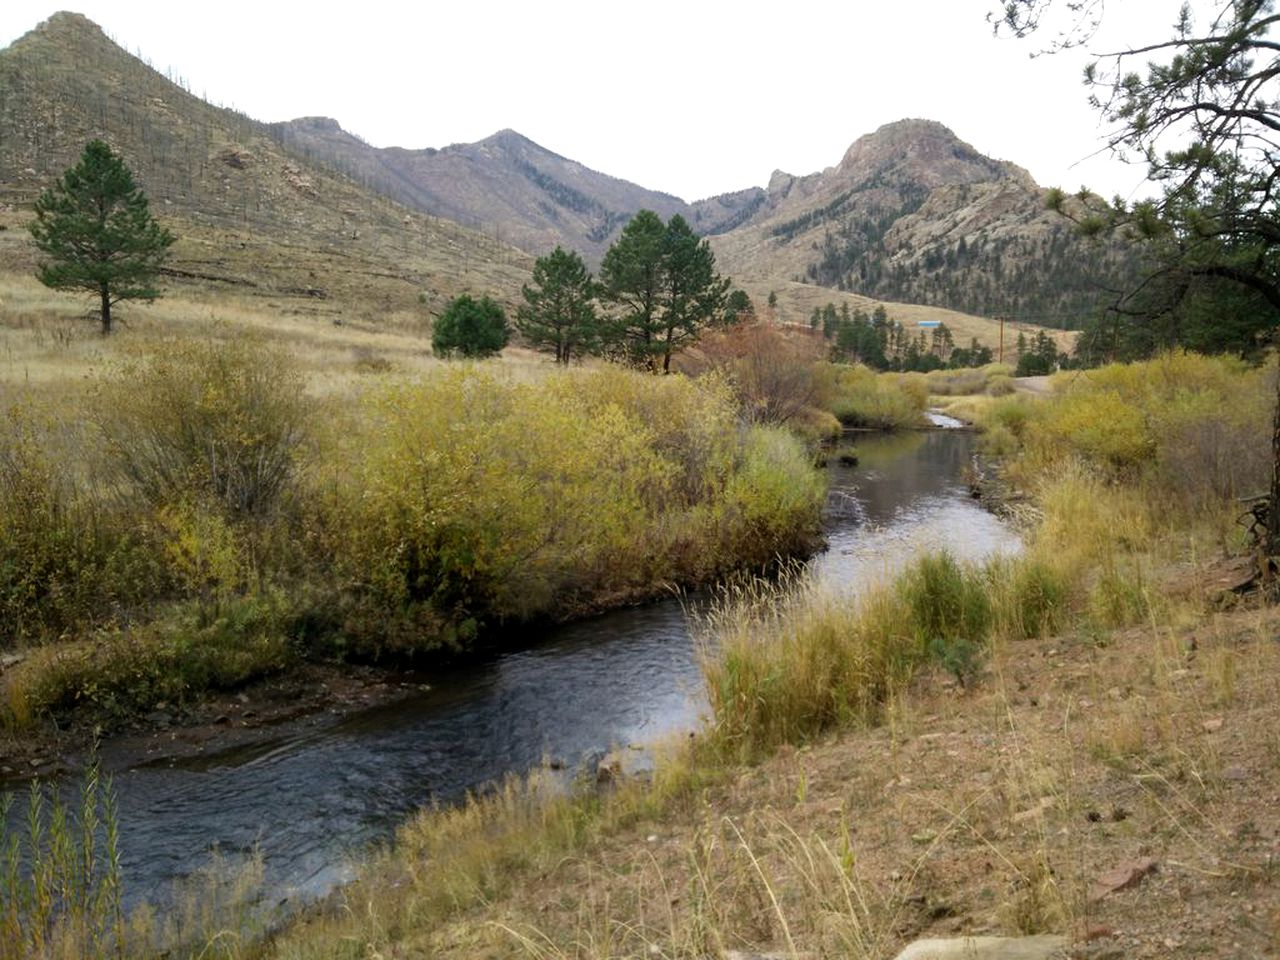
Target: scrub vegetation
(194, 516)
(812, 815)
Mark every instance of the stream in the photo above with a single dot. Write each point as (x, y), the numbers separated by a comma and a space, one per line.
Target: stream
(309, 803)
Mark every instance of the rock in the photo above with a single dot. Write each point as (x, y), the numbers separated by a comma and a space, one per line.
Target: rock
(1235, 773)
(1044, 947)
(1127, 874)
(8, 660)
(221, 720)
(1036, 812)
(1212, 724)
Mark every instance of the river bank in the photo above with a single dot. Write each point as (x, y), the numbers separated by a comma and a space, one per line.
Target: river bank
(573, 693)
(1119, 790)
(1089, 764)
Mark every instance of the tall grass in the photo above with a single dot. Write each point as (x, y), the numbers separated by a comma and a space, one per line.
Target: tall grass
(786, 661)
(60, 882)
(448, 862)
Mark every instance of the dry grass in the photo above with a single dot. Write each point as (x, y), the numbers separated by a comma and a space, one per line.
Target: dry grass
(987, 811)
(796, 302)
(49, 350)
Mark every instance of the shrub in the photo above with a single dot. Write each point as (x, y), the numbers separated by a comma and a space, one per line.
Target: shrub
(476, 499)
(122, 673)
(1000, 386)
(860, 397)
(205, 420)
(775, 376)
(1197, 426)
(470, 328)
(63, 561)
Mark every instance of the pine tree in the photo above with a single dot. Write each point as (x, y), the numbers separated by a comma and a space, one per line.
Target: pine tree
(559, 310)
(470, 328)
(663, 281)
(94, 225)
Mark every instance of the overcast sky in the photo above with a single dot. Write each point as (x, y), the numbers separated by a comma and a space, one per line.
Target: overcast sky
(693, 98)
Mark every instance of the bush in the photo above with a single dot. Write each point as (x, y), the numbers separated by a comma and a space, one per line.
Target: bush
(205, 421)
(470, 328)
(1198, 426)
(476, 499)
(120, 674)
(775, 376)
(859, 397)
(64, 562)
(1000, 386)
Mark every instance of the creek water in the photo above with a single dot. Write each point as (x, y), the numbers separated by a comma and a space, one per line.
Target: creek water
(309, 803)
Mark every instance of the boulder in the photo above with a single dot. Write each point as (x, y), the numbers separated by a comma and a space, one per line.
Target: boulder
(1042, 947)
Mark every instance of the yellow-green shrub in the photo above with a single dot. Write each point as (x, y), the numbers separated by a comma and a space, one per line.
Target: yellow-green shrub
(1000, 386)
(1099, 425)
(861, 397)
(1197, 425)
(476, 498)
(205, 419)
(994, 379)
(63, 560)
(119, 673)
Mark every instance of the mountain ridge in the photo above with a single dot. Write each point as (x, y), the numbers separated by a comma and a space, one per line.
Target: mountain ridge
(242, 205)
(909, 212)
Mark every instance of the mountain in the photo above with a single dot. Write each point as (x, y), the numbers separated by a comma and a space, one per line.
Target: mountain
(306, 211)
(914, 214)
(509, 186)
(251, 215)
(910, 214)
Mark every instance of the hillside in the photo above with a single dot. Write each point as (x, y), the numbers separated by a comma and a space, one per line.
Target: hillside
(321, 223)
(508, 186)
(913, 214)
(251, 216)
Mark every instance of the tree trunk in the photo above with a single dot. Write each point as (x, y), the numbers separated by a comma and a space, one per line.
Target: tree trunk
(106, 309)
(1272, 545)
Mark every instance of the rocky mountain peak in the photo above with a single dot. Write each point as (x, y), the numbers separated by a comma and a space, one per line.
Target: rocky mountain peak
(924, 152)
(318, 124)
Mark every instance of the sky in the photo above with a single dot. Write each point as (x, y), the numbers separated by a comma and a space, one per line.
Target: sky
(693, 98)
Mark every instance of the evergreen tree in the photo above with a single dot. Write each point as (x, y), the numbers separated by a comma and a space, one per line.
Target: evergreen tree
(559, 311)
(663, 281)
(631, 279)
(94, 225)
(469, 327)
(694, 293)
(738, 308)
